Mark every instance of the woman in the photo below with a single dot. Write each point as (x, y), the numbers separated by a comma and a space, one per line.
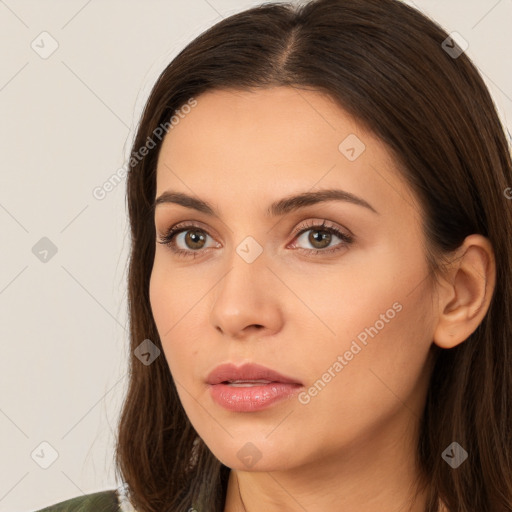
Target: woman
(319, 281)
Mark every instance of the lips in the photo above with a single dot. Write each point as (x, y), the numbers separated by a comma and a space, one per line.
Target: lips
(247, 374)
(250, 387)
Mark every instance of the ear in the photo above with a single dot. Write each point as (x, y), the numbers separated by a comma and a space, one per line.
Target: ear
(466, 291)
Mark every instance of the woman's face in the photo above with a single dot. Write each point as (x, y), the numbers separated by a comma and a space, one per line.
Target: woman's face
(349, 322)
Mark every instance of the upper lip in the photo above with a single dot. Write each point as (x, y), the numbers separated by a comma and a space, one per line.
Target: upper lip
(250, 371)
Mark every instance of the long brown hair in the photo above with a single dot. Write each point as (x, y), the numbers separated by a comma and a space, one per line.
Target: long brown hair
(386, 64)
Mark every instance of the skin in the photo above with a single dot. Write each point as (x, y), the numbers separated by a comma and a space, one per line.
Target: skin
(352, 446)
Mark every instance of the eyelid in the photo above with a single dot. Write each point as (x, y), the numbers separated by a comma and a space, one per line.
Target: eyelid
(184, 225)
(321, 223)
(310, 223)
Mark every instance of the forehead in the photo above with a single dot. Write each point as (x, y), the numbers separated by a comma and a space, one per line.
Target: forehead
(278, 118)
(272, 142)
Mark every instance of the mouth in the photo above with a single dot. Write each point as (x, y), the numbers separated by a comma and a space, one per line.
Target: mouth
(245, 383)
(249, 388)
(249, 373)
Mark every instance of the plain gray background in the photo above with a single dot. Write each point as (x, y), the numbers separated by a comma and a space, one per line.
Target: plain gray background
(67, 123)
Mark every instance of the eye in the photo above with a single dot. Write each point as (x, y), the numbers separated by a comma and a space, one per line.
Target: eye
(321, 236)
(193, 238)
(189, 234)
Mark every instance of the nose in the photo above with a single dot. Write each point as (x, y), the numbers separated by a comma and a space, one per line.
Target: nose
(246, 301)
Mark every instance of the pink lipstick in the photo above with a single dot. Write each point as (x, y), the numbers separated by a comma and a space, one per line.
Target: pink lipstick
(250, 387)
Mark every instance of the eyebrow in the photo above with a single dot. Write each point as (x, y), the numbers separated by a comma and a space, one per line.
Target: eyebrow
(278, 208)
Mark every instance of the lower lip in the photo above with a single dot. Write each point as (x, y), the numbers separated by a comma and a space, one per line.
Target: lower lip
(251, 398)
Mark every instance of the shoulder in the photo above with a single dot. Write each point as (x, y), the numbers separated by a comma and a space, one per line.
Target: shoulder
(104, 501)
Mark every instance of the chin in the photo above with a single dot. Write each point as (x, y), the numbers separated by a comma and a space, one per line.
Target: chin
(258, 454)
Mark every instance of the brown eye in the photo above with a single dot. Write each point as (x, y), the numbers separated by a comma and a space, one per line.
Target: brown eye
(320, 238)
(185, 240)
(188, 240)
(194, 239)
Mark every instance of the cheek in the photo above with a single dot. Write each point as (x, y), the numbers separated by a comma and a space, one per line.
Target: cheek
(384, 339)
(159, 297)
(378, 318)
(170, 297)
(175, 309)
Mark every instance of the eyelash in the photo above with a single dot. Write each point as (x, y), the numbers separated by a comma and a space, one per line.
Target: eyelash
(168, 238)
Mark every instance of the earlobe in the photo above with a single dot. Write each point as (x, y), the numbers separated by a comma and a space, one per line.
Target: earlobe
(466, 292)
